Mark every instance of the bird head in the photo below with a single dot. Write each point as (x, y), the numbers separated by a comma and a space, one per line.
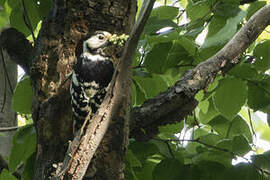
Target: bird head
(98, 40)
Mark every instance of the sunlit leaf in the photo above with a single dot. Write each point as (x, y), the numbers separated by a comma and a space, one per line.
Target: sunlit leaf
(22, 98)
(165, 12)
(140, 94)
(230, 96)
(6, 175)
(261, 52)
(156, 59)
(253, 7)
(205, 117)
(197, 10)
(239, 126)
(226, 33)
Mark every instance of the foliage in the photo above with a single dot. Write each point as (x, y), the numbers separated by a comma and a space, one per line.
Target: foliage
(222, 126)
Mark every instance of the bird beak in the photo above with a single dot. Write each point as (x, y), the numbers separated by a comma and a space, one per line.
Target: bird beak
(108, 36)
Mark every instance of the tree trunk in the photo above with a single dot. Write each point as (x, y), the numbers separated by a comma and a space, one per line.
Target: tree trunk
(58, 43)
(8, 81)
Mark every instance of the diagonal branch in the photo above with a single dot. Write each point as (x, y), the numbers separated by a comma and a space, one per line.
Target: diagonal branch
(114, 107)
(178, 101)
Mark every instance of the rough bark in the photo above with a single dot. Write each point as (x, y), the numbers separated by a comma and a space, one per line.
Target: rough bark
(112, 115)
(55, 50)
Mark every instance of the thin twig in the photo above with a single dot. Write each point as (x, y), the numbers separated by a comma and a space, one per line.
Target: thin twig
(251, 124)
(217, 148)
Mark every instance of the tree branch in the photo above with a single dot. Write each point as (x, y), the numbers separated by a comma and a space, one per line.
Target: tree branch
(18, 47)
(112, 111)
(178, 101)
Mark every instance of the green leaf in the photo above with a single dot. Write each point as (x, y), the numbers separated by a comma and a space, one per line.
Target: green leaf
(24, 145)
(210, 139)
(242, 171)
(13, 3)
(178, 55)
(240, 145)
(133, 161)
(188, 45)
(261, 52)
(164, 37)
(262, 160)
(258, 96)
(246, 72)
(168, 169)
(204, 105)
(191, 172)
(29, 166)
(17, 20)
(239, 126)
(4, 19)
(152, 86)
(171, 128)
(230, 96)
(22, 98)
(140, 94)
(44, 7)
(227, 9)
(142, 150)
(2, 2)
(141, 73)
(211, 170)
(6, 175)
(205, 53)
(154, 24)
(225, 144)
(165, 12)
(220, 125)
(231, 1)
(197, 10)
(226, 33)
(216, 24)
(205, 117)
(155, 60)
(253, 7)
(224, 158)
(133, 95)
(146, 171)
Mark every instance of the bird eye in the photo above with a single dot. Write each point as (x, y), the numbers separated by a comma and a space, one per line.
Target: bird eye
(100, 37)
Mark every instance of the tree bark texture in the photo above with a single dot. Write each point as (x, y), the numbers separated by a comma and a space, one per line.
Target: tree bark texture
(57, 45)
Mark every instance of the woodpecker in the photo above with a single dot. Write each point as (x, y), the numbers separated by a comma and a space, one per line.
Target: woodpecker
(91, 77)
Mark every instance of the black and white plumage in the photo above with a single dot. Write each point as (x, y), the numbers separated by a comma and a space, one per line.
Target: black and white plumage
(91, 76)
